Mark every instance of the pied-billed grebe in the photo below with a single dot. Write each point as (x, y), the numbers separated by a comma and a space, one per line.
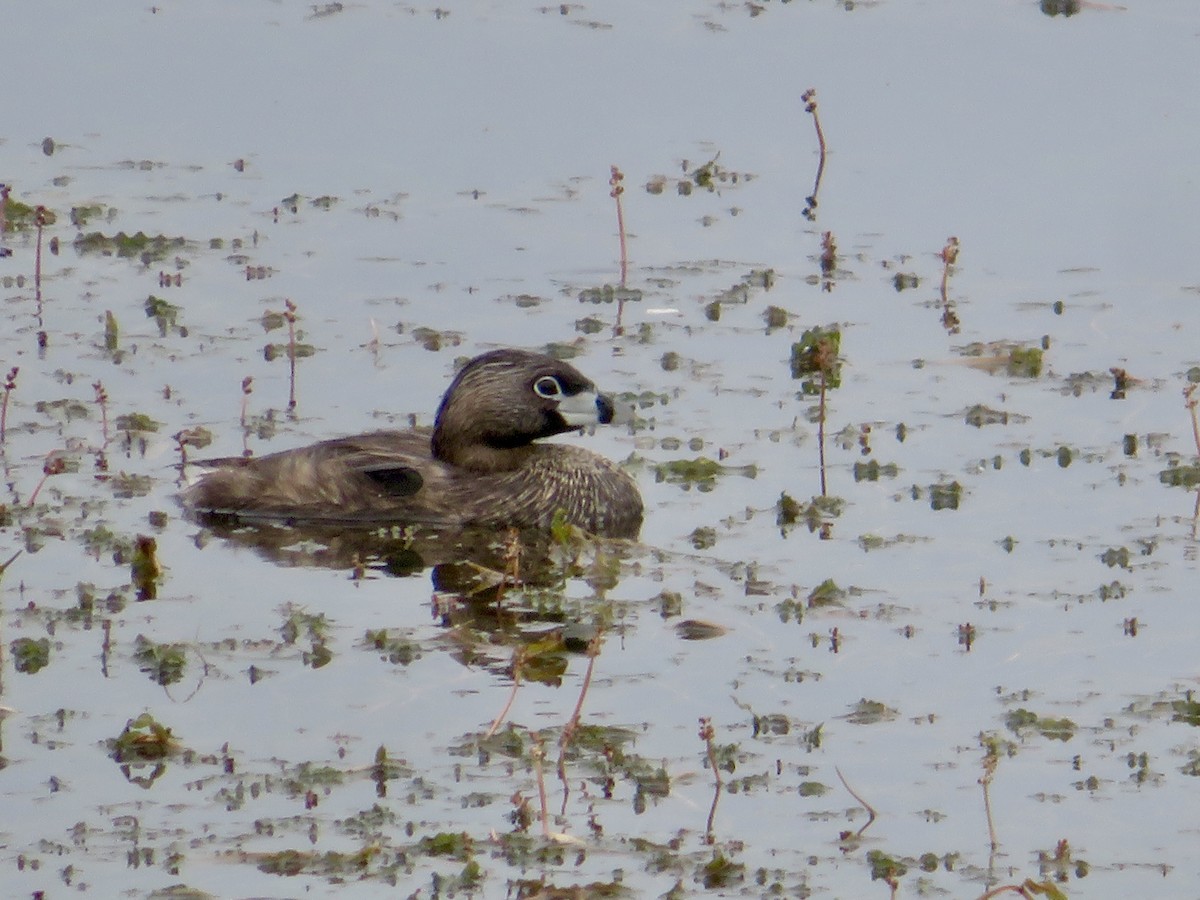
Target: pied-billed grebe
(479, 466)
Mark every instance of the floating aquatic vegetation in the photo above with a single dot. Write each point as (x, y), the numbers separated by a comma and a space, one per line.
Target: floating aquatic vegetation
(142, 739)
(815, 359)
(980, 415)
(1020, 721)
(1184, 475)
(146, 248)
(709, 176)
(434, 339)
(19, 216)
(827, 593)
(608, 293)
(873, 470)
(311, 627)
(701, 472)
(396, 649)
(697, 630)
(30, 655)
(164, 314)
(144, 569)
(164, 663)
(871, 712)
(818, 513)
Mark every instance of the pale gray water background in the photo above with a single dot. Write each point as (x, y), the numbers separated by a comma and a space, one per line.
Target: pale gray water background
(469, 152)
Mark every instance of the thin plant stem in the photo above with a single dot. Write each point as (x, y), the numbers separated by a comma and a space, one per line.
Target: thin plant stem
(821, 435)
(53, 465)
(853, 793)
(1189, 400)
(40, 220)
(10, 385)
(568, 732)
(614, 182)
(810, 106)
(102, 400)
(517, 660)
(990, 761)
(247, 389)
(290, 315)
(538, 755)
(707, 733)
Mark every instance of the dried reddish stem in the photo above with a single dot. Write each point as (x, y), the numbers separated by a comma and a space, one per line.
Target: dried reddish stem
(614, 182)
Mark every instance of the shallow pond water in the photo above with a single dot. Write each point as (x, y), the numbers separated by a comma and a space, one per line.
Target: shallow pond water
(995, 592)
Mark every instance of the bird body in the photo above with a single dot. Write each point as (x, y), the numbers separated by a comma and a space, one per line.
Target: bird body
(481, 465)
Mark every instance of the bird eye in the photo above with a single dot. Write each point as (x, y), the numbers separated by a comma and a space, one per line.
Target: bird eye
(548, 387)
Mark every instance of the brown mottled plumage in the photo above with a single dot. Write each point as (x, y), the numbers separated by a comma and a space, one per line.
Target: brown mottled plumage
(480, 465)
